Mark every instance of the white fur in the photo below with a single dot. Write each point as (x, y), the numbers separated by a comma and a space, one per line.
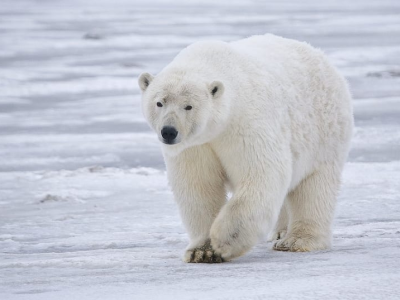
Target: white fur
(277, 132)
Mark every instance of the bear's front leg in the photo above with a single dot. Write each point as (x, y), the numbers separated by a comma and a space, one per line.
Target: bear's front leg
(198, 183)
(251, 212)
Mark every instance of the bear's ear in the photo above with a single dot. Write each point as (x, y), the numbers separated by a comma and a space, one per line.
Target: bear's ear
(216, 89)
(145, 80)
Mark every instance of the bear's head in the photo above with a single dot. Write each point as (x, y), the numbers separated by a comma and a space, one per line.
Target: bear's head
(183, 110)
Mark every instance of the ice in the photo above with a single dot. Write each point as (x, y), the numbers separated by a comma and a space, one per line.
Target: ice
(85, 208)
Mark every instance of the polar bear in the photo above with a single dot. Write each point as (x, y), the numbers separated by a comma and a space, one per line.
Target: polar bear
(266, 120)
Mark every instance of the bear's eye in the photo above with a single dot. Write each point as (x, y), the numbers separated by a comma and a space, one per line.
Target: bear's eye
(159, 104)
(189, 107)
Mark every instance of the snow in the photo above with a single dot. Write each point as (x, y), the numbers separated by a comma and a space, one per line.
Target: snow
(85, 209)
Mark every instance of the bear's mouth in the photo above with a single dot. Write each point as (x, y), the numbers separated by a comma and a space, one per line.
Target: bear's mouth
(169, 142)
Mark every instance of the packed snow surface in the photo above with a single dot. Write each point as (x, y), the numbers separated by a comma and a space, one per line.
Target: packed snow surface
(85, 209)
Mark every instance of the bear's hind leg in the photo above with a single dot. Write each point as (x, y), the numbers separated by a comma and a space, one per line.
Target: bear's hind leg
(311, 208)
(281, 225)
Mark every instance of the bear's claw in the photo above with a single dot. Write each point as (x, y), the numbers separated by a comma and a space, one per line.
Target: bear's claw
(278, 235)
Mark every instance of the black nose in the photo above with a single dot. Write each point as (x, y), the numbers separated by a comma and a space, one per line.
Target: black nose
(169, 133)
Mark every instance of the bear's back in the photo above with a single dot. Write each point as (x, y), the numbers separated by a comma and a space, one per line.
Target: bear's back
(272, 53)
(203, 52)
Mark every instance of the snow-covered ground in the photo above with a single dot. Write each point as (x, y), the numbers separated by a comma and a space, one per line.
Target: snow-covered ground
(85, 211)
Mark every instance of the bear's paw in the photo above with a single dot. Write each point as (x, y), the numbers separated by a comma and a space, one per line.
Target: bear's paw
(203, 254)
(300, 244)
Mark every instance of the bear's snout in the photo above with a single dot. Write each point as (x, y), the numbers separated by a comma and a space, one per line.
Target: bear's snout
(169, 134)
